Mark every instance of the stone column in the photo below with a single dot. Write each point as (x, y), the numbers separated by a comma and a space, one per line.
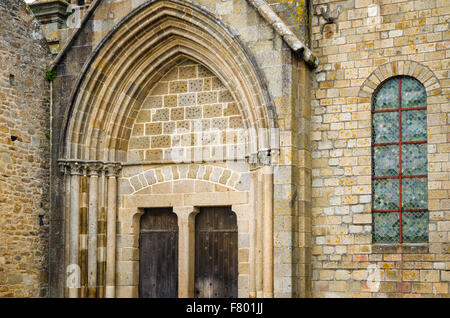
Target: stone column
(112, 172)
(259, 235)
(253, 235)
(73, 279)
(83, 251)
(65, 169)
(93, 171)
(186, 250)
(101, 236)
(268, 231)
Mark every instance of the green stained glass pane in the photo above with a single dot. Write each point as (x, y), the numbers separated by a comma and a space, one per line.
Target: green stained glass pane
(414, 125)
(415, 227)
(387, 96)
(385, 160)
(414, 159)
(413, 93)
(414, 193)
(386, 227)
(385, 127)
(385, 194)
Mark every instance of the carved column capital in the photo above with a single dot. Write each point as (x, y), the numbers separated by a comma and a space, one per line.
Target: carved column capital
(252, 160)
(264, 157)
(75, 168)
(185, 212)
(63, 167)
(112, 169)
(94, 168)
(90, 168)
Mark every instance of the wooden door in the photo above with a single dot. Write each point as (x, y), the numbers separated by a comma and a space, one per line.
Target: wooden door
(216, 253)
(158, 250)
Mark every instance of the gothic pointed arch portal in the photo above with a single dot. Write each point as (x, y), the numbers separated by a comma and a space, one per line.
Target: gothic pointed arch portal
(124, 99)
(145, 45)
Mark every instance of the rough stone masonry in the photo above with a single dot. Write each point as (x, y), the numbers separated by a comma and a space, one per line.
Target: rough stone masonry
(24, 153)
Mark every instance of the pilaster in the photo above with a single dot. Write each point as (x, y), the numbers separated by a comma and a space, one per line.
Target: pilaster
(186, 249)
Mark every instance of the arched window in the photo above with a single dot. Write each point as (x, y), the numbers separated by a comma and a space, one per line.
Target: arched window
(399, 162)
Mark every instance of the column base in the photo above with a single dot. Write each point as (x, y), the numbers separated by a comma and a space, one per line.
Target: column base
(110, 292)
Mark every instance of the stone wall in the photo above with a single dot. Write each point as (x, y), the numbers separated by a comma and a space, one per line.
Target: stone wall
(372, 41)
(189, 115)
(24, 153)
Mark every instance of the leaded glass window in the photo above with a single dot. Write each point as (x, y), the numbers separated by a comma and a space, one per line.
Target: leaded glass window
(399, 162)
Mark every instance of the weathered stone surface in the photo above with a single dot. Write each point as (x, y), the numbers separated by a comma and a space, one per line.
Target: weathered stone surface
(180, 117)
(370, 42)
(24, 154)
(182, 113)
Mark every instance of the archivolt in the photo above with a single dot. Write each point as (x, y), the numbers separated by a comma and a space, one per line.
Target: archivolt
(135, 55)
(408, 68)
(223, 177)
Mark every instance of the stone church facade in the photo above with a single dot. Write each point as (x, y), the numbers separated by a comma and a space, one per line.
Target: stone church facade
(303, 144)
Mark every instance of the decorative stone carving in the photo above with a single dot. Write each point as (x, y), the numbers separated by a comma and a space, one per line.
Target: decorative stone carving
(94, 169)
(264, 157)
(63, 168)
(89, 168)
(112, 169)
(329, 17)
(76, 168)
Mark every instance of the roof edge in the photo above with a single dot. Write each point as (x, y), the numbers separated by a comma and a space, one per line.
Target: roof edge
(261, 6)
(283, 30)
(74, 35)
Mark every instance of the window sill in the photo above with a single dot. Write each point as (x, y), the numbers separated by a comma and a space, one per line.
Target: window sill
(406, 248)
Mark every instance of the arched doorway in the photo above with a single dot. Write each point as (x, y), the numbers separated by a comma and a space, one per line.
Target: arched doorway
(115, 144)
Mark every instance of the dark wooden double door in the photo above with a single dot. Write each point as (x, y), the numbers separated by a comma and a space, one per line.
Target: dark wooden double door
(216, 254)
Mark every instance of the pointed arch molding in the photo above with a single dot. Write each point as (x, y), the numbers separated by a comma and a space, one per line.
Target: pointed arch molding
(136, 54)
(407, 68)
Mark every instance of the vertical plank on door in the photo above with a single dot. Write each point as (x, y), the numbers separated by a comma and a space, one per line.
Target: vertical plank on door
(216, 253)
(158, 252)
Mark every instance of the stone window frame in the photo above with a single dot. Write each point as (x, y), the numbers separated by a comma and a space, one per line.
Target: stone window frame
(433, 89)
